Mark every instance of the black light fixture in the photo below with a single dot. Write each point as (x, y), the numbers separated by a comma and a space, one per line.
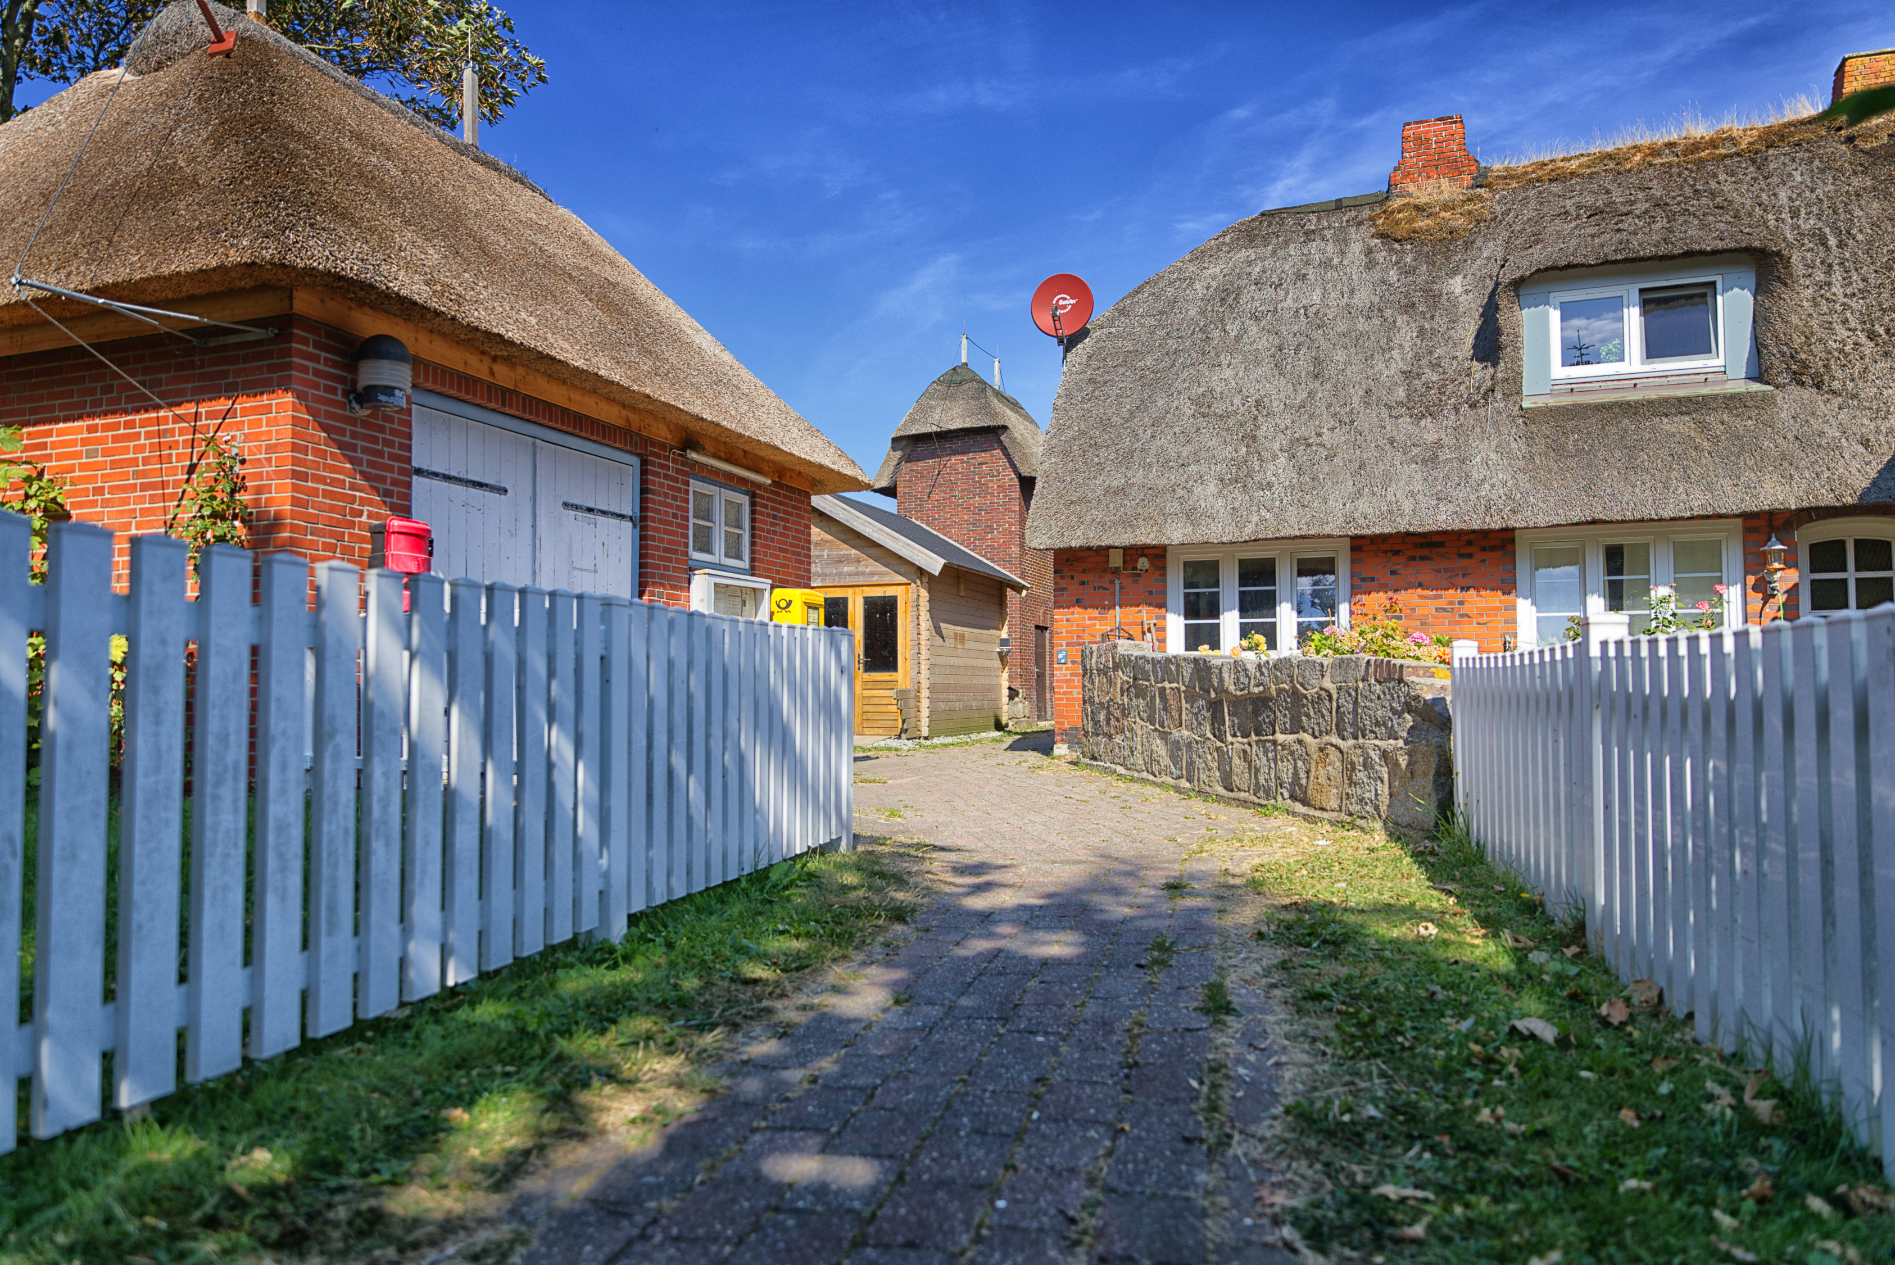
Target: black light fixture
(384, 374)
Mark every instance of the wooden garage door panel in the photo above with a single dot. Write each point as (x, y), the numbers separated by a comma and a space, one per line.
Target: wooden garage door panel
(588, 539)
(473, 486)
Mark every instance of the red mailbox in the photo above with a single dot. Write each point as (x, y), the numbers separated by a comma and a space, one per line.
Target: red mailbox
(407, 545)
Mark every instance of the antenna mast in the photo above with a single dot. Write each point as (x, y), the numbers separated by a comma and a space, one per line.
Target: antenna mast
(470, 93)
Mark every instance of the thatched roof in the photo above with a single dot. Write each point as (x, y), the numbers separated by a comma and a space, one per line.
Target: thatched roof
(1297, 375)
(962, 400)
(269, 167)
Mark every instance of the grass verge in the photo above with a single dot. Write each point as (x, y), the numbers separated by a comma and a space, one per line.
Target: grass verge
(1477, 1105)
(387, 1140)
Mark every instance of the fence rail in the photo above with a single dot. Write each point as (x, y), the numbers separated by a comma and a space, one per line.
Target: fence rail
(1721, 806)
(390, 790)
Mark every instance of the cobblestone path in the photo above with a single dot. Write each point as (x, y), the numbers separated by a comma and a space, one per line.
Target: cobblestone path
(1028, 1081)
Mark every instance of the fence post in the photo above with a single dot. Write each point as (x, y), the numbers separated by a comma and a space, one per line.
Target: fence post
(1459, 653)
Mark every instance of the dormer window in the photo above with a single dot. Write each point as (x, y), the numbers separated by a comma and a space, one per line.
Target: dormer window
(1629, 330)
(1635, 330)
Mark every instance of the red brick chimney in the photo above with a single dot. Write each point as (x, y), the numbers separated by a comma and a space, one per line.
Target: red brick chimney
(1859, 72)
(1434, 150)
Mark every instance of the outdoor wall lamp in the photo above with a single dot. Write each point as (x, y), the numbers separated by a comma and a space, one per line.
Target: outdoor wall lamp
(384, 373)
(1773, 568)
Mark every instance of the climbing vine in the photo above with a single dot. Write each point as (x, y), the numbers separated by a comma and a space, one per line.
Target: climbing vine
(212, 510)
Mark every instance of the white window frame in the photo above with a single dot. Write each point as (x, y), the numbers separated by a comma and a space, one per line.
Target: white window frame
(1593, 539)
(1286, 552)
(1635, 365)
(703, 582)
(1832, 529)
(720, 494)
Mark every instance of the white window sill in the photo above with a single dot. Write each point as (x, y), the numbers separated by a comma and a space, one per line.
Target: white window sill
(1659, 387)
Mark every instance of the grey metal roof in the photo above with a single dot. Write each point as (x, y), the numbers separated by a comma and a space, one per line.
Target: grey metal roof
(928, 548)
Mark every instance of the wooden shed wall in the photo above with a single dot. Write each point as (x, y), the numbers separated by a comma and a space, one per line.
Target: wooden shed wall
(966, 683)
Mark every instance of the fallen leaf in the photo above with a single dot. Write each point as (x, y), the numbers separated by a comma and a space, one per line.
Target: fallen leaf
(1663, 1065)
(1491, 1115)
(1427, 930)
(1629, 1116)
(1564, 1173)
(456, 1115)
(1573, 950)
(1553, 1257)
(1436, 992)
(1615, 1011)
(1864, 1199)
(1517, 1130)
(1765, 1109)
(1647, 995)
(1633, 1183)
(1519, 941)
(1725, 1221)
(1818, 1205)
(1415, 1233)
(1445, 887)
(1540, 957)
(1841, 1251)
(1536, 1028)
(1735, 1253)
(1399, 1193)
(1499, 888)
(1269, 1196)
(1759, 1191)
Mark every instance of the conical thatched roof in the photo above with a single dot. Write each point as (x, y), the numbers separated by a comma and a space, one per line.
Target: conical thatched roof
(962, 400)
(1298, 375)
(269, 167)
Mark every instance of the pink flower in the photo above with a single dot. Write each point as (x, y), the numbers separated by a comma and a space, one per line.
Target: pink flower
(1720, 589)
(1704, 606)
(1418, 639)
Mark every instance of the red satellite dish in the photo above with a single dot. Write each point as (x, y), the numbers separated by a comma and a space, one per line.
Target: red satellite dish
(1062, 305)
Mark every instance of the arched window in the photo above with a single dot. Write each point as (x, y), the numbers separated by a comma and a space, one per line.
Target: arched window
(1846, 564)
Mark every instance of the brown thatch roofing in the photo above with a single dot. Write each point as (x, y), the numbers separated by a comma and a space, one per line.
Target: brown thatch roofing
(269, 167)
(1297, 375)
(962, 400)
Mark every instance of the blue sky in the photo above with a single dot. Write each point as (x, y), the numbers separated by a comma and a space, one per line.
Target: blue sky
(833, 189)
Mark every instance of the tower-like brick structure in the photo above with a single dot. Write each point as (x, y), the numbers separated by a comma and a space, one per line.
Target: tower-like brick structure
(964, 462)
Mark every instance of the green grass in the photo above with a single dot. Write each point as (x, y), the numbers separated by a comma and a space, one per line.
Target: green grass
(402, 1132)
(1526, 1148)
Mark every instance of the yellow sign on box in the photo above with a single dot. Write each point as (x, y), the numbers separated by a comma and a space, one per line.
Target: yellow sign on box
(796, 606)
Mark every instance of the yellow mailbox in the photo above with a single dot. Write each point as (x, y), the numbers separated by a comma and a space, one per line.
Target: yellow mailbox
(796, 606)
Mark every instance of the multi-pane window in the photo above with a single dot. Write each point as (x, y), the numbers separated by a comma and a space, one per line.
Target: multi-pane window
(1636, 328)
(1277, 592)
(1568, 573)
(720, 525)
(1849, 573)
(1257, 600)
(1203, 604)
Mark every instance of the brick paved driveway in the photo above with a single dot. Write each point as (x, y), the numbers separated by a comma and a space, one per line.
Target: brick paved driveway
(1028, 1080)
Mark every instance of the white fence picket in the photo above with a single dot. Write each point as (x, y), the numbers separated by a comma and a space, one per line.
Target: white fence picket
(332, 825)
(379, 874)
(562, 744)
(151, 825)
(427, 757)
(461, 830)
(589, 765)
(499, 741)
(1721, 805)
(16, 542)
(69, 962)
(276, 899)
(531, 814)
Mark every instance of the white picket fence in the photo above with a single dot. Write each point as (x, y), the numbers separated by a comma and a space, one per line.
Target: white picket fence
(1722, 807)
(447, 790)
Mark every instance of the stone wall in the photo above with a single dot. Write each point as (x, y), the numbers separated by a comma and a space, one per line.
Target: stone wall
(1344, 737)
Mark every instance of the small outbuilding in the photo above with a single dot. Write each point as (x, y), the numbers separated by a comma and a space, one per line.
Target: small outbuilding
(930, 619)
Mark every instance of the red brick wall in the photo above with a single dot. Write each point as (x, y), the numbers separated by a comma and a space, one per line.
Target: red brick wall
(1859, 72)
(1083, 615)
(318, 476)
(965, 486)
(1434, 150)
(1461, 584)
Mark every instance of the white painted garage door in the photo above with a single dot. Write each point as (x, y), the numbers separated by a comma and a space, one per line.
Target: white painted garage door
(508, 506)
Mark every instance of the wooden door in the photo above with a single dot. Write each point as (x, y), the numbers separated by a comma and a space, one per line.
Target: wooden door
(879, 616)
